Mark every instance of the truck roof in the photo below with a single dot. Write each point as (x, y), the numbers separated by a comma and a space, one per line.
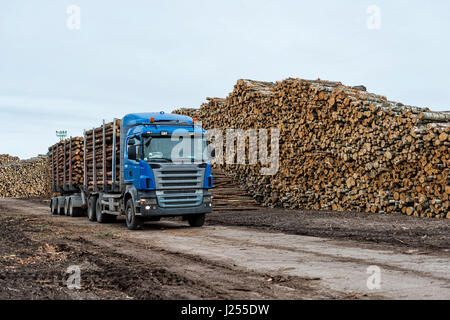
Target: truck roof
(144, 118)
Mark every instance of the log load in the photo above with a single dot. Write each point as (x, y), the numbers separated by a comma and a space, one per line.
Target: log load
(66, 164)
(101, 144)
(341, 148)
(24, 178)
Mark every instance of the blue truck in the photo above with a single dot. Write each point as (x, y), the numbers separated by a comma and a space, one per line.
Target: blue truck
(145, 166)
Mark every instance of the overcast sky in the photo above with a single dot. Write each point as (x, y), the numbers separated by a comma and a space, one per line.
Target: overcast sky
(136, 56)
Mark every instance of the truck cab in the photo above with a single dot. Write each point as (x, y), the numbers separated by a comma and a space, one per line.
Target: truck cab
(165, 169)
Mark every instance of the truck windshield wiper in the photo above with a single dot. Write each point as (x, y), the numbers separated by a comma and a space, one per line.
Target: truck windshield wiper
(160, 159)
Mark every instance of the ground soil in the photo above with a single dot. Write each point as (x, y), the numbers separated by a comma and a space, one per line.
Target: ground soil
(263, 254)
(394, 229)
(36, 250)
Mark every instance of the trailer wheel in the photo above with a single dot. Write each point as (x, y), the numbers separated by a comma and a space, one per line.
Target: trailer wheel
(54, 206)
(66, 206)
(73, 212)
(197, 220)
(60, 207)
(91, 208)
(101, 217)
(133, 222)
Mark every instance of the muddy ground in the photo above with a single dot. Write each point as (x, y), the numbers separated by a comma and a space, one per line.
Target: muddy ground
(395, 229)
(36, 249)
(239, 255)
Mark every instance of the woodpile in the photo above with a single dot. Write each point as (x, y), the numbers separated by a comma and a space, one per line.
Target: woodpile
(24, 178)
(227, 196)
(341, 148)
(101, 143)
(7, 159)
(66, 164)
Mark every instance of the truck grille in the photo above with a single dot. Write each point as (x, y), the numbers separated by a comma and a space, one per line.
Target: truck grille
(179, 198)
(179, 185)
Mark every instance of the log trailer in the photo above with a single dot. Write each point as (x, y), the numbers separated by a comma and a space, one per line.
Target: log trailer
(128, 167)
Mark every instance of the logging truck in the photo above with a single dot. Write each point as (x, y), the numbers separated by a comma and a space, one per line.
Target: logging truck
(144, 166)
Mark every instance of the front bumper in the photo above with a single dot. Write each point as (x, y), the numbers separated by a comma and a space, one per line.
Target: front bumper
(155, 210)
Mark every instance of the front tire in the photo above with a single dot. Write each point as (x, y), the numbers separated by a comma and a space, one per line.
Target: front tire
(92, 203)
(133, 222)
(197, 220)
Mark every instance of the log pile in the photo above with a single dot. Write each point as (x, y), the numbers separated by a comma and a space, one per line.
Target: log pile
(99, 159)
(66, 164)
(7, 159)
(341, 148)
(25, 178)
(227, 196)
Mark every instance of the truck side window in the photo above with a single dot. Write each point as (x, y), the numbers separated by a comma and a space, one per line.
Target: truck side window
(136, 141)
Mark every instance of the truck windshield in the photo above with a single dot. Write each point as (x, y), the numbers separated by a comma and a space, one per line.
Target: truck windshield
(168, 149)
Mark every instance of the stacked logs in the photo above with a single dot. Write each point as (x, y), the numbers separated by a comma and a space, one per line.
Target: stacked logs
(99, 159)
(25, 178)
(7, 159)
(341, 148)
(228, 197)
(66, 164)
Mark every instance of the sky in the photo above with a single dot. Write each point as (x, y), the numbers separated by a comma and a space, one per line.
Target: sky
(149, 56)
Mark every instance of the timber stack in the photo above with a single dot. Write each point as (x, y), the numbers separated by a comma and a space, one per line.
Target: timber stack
(341, 148)
(6, 159)
(228, 197)
(66, 164)
(24, 178)
(101, 143)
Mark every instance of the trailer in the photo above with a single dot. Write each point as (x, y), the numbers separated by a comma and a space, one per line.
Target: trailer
(145, 166)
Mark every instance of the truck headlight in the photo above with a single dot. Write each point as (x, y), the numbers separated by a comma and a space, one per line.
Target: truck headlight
(207, 199)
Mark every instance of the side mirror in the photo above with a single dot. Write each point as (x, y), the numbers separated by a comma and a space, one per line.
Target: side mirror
(132, 154)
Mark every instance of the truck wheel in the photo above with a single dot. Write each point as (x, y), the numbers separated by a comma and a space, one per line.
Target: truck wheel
(73, 212)
(133, 222)
(66, 206)
(91, 208)
(54, 207)
(197, 220)
(60, 208)
(101, 217)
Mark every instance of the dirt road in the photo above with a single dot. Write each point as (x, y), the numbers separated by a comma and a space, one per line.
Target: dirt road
(167, 260)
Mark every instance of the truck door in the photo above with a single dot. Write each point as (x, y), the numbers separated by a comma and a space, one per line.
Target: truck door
(132, 169)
